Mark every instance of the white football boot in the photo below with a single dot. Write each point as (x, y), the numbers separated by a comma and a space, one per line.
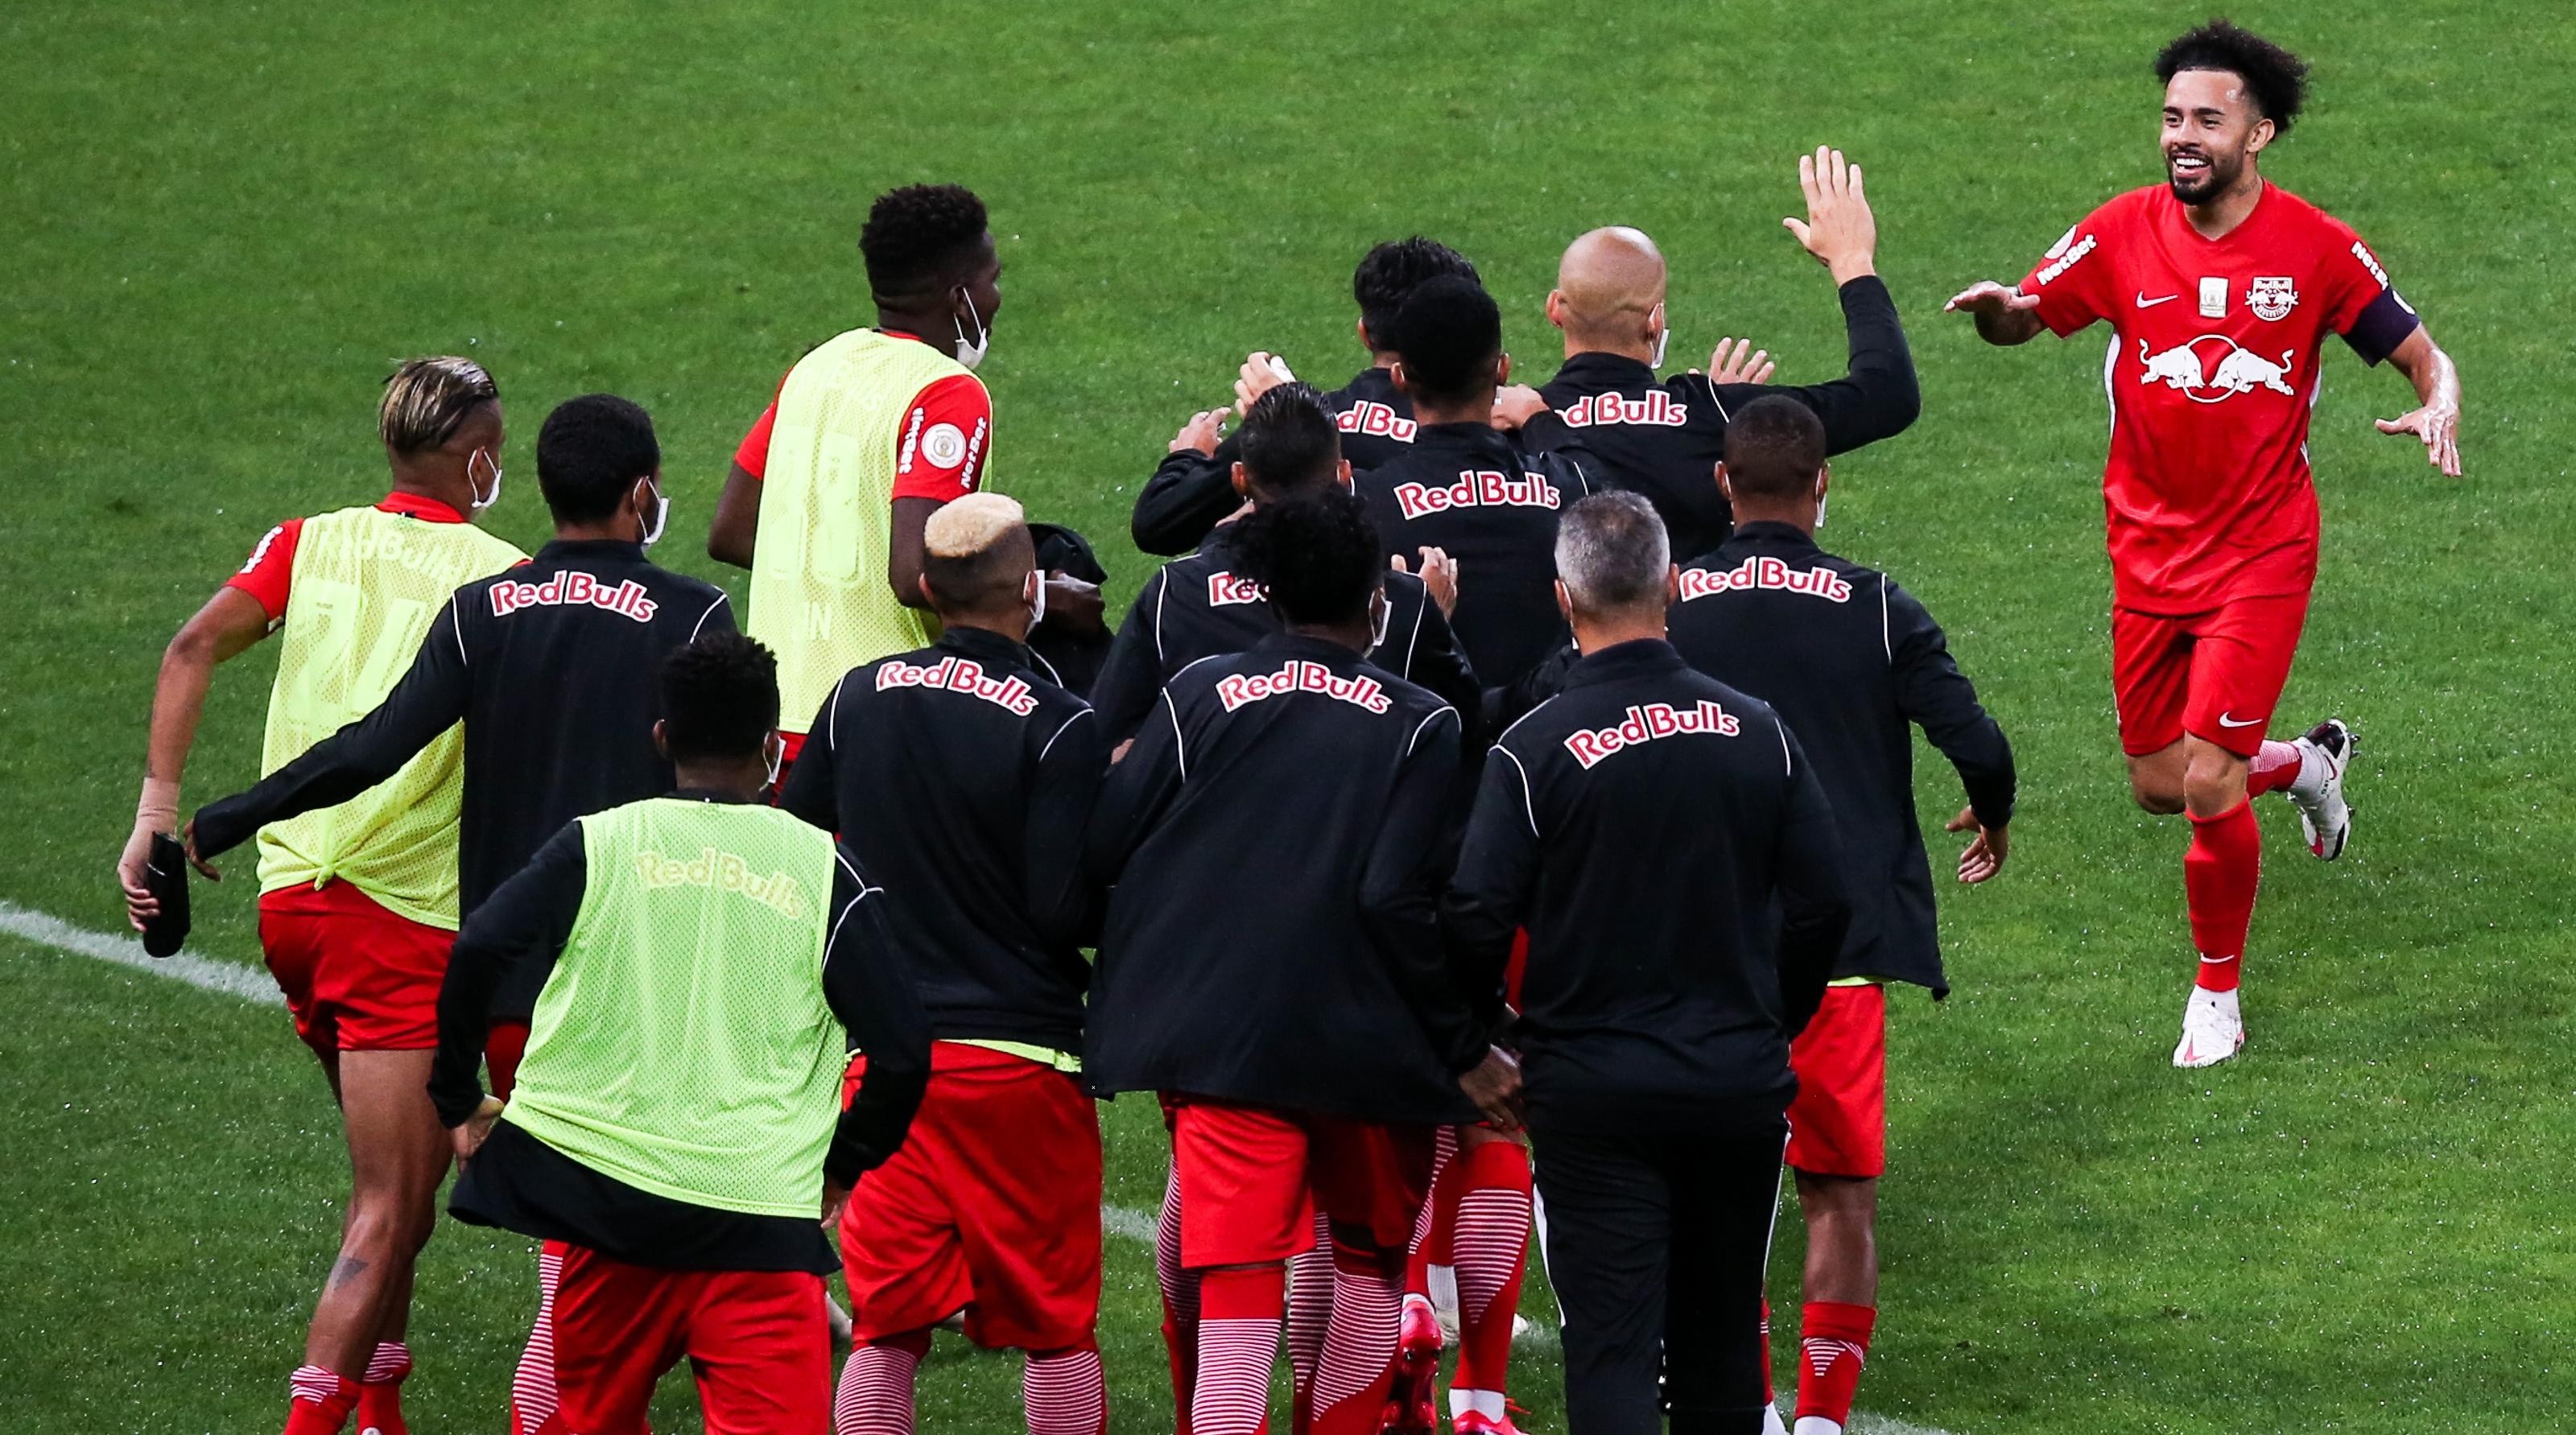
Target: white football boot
(2212, 1029)
(2325, 752)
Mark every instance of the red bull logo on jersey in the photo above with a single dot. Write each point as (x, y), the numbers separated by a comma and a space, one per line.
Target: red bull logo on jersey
(1476, 488)
(1597, 410)
(1368, 416)
(1300, 676)
(723, 872)
(1771, 574)
(959, 675)
(1646, 724)
(1225, 590)
(573, 588)
(2186, 368)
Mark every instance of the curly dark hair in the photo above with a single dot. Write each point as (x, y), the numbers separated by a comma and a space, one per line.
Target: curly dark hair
(719, 697)
(1318, 555)
(1392, 271)
(590, 452)
(2277, 79)
(920, 237)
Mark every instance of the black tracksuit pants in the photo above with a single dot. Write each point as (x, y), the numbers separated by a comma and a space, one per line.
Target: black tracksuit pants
(1656, 1246)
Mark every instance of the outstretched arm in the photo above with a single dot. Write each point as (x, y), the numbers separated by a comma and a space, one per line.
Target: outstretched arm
(2436, 418)
(2004, 315)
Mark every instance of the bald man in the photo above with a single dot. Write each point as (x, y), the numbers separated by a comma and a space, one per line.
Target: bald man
(1663, 437)
(961, 778)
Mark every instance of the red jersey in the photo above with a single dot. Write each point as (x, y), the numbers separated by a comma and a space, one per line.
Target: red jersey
(954, 420)
(2212, 373)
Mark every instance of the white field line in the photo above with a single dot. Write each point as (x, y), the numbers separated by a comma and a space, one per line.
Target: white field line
(233, 979)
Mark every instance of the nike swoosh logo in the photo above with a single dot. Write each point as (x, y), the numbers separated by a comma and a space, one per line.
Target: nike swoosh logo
(2146, 303)
(2226, 721)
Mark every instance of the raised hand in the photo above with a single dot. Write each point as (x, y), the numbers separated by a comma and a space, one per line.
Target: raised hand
(1839, 229)
(1738, 367)
(1439, 578)
(1515, 405)
(1261, 372)
(1201, 432)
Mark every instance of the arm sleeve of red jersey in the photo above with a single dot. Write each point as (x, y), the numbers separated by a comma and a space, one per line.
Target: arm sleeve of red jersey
(752, 454)
(941, 444)
(2365, 308)
(272, 562)
(2072, 279)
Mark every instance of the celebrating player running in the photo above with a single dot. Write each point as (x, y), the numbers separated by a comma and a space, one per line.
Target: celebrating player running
(2219, 287)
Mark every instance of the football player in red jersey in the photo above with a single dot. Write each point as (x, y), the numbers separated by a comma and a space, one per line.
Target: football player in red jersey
(2220, 289)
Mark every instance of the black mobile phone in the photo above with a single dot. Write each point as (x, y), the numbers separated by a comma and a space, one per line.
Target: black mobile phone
(165, 876)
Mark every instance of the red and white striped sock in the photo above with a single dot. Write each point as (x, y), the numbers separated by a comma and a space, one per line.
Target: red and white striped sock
(1357, 1372)
(1491, 1244)
(875, 1393)
(318, 1401)
(1239, 1313)
(1065, 1391)
(1180, 1300)
(380, 1390)
(1310, 1310)
(534, 1399)
(1833, 1344)
(2275, 767)
(1431, 1227)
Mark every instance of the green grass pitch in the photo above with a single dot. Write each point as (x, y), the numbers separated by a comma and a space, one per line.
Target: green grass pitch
(223, 221)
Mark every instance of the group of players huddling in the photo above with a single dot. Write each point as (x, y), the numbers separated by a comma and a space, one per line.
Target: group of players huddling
(1429, 820)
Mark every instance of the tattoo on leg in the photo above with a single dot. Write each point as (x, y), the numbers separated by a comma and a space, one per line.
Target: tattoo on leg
(349, 1269)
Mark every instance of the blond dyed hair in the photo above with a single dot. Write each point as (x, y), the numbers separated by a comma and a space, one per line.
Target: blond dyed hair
(427, 400)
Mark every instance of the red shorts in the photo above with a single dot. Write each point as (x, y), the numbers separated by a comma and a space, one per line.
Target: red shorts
(1838, 1123)
(991, 1206)
(356, 977)
(756, 1340)
(2216, 675)
(1251, 1179)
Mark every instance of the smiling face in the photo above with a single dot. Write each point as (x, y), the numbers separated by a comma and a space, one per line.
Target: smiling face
(2212, 131)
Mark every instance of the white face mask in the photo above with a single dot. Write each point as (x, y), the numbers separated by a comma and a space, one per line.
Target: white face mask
(1663, 338)
(970, 352)
(483, 500)
(661, 517)
(777, 757)
(1037, 596)
(1820, 510)
(1379, 611)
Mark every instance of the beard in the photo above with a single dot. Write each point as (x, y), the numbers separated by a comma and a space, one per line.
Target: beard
(2221, 175)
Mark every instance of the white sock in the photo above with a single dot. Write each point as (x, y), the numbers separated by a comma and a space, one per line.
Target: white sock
(1488, 1403)
(1816, 1425)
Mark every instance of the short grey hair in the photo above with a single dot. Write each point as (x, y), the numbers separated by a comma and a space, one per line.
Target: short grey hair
(1612, 553)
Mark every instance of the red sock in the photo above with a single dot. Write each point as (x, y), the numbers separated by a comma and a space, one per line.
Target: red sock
(534, 1400)
(1491, 1245)
(874, 1396)
(1833, 1343)
(1432, 1230)
(319, 1401)
(1180, 1301)
(380, 1390)
(1065, 1391)
(1310, 1311)
(2219, 876)
(2275, 767)
(1770, 1392)
(1357, 1372)
(1238, 1339)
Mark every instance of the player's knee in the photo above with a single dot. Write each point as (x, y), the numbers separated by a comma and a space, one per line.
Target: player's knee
(2155, 791)
(2214, 782)
(1837, 1198)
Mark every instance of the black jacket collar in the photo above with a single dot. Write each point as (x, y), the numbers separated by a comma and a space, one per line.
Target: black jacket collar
(1637, 658)
(1469, 437)
(1782, 535)
(571, 549)
(985, 646)
(1600, 370)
